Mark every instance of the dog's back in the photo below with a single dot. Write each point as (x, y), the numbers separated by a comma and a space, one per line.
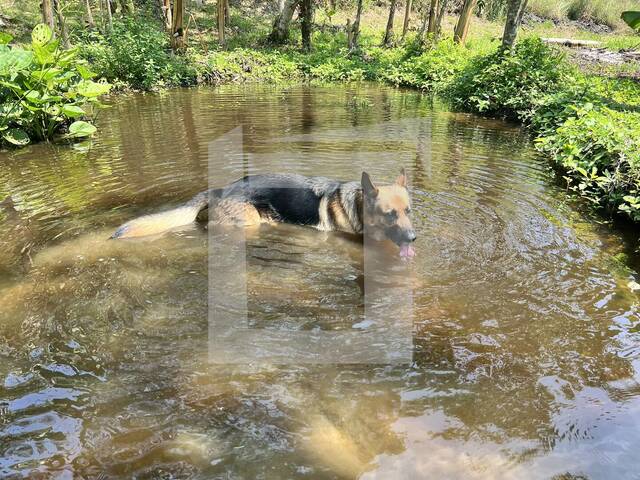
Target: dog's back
(288, 198)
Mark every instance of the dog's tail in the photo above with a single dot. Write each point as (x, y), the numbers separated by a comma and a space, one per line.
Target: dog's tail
(161, 222)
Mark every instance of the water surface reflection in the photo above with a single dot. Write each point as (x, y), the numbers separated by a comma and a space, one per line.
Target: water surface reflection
(525, 343)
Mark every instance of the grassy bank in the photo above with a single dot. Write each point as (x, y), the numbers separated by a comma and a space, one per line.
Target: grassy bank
(597, 11)
(586, 123)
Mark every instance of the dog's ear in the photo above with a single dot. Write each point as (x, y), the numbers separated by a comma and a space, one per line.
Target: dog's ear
(368, 187)
(402, 178)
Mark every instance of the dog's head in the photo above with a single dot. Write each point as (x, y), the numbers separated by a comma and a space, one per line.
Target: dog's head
(386, 211)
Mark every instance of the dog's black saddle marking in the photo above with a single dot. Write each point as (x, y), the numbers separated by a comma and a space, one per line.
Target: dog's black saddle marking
(289, 198)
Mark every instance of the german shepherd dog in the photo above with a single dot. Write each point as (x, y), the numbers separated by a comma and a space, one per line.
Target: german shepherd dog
(361, 208)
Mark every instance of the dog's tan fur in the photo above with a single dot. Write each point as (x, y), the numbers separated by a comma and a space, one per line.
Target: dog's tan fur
(241, 214)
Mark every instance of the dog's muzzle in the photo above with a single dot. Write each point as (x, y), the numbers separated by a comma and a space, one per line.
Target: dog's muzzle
(404, 239)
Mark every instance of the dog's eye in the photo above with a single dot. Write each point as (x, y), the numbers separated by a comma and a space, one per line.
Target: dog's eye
(407, 210)
(391, 215)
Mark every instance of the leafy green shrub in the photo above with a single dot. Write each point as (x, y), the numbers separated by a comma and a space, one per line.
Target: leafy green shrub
(43, 90)
(243, 65)
(556, 107)
(632, 18)
(599, 148)
(137, 54)
(510, 84)
(338, 69)
(432, 70)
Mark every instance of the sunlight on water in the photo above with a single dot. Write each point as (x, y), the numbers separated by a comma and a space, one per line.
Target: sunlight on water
(525, 350)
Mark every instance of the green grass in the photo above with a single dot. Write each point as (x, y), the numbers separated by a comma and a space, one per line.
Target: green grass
(621, 42)
(606, 12)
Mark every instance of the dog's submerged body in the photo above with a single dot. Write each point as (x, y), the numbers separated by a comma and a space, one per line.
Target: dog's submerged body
(328, 205)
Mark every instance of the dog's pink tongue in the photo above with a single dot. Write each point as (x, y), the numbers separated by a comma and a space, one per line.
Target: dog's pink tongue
(407, 251)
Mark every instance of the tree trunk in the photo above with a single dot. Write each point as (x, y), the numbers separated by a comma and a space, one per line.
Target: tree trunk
(515, 10)
(227, 15)
(107, 9)
(355, 28)
(166, 14)
(388, 33)
(306, 12)
(177, 28)
(433, 14)
(221, 20)
(47, 14)
(443, 9)
(87, 6)
(280, 6)
(407, 14)
(462, 27)
(423, 27)
(62, 24)
(280, 31)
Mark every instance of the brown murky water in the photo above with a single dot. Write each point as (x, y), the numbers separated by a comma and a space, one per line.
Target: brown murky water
(525, 355)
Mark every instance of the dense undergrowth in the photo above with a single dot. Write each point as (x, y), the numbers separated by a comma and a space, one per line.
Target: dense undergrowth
(589, 126)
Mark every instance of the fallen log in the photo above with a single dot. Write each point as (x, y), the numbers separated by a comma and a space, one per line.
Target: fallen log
(569, 42)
